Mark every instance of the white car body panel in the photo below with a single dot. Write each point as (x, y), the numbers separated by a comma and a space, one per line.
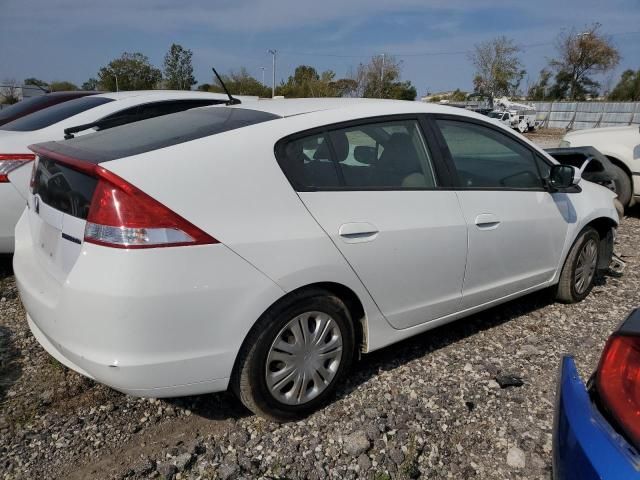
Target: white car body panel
(170, 321)
(620, 143)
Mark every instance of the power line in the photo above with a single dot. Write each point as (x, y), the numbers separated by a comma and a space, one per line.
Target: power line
(423, 54)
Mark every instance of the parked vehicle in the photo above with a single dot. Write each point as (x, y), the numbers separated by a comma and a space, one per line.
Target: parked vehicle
(34, 104)
(597, 428)
(101, 111)
(595, 167)
(621, 145)
(260, 248)
(518, 116)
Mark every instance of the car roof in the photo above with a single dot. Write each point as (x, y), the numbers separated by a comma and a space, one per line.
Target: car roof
(301, 106)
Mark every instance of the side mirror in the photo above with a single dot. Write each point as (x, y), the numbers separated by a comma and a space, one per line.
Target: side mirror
(564, 176)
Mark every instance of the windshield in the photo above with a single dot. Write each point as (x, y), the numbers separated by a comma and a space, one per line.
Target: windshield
(497, 115)
(25, 106)
(48, 116)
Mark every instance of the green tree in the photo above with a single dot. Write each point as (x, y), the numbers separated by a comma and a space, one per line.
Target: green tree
(580, 56)
(539, 90)
(60, 86)
(307, 82)
(132, 71)
(36, 82)
(458, 96)
(178, 69)
(238, 82)
(380, 78)
(628, 88)
(498, 67)
(91, 84)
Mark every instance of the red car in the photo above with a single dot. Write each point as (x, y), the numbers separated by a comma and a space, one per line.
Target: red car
(33, 104)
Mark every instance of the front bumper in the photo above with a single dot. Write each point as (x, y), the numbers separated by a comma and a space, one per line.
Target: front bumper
(585, 446)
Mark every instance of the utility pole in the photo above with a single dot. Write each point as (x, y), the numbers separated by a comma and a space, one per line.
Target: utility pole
(116, 77)
(382, 77)
(273, 86)
(262, 68)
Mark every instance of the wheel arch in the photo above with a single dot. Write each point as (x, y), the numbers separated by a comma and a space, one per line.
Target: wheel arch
(605, 227)
(344, 293)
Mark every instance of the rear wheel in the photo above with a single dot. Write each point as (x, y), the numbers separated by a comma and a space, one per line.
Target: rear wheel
(623, 186)
(580, 267)
(295, 356)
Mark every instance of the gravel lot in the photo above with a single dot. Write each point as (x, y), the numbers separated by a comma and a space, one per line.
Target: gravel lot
(428, 407)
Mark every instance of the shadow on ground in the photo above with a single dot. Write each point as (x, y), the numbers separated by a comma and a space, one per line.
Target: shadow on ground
(6, 267)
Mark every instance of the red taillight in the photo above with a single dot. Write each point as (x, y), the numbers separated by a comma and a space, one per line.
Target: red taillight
(123, 216)
(618, 383)
(11, 161)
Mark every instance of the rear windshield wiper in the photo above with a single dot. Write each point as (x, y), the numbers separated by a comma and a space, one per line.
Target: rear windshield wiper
(99, 124)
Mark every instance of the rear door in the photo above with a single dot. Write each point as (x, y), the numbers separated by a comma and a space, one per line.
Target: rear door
(517, 229)
(379, 192)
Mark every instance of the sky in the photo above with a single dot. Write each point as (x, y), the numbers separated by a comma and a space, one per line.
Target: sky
(72, 39)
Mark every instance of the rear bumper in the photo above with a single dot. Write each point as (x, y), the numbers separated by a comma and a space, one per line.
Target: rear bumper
(585, 446)
(160, 322)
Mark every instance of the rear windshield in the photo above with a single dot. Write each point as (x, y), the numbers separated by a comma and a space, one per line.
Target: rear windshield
(160, 132)
(56, 113)
(25, 106)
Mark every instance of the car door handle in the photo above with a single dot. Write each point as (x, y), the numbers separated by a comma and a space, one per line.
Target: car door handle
(487, 221)
(357, 232)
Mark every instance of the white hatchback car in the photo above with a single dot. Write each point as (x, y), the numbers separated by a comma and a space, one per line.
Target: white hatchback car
(263, 247)
(91, 113)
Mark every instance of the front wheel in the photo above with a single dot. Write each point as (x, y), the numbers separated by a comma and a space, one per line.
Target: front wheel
(295, 356)
(580, 267)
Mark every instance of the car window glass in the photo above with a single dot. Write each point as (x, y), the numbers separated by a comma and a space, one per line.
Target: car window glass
(486, 158)
(378, 155)
(56, 113)
(152, 110)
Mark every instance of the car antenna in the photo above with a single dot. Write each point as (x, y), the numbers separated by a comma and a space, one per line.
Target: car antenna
(232, 100)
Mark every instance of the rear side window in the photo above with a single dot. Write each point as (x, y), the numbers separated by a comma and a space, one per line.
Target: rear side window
(151, 110)
(56, 113)
(486, 158)
(386, 155)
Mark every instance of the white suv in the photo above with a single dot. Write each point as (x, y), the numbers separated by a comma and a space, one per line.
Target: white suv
(622, 146)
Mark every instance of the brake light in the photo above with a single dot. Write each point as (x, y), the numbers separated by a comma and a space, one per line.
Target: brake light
(123, 216)
(10, 161)
(618, 382)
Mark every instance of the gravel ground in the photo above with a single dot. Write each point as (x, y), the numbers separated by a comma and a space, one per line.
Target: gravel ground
(429, 407)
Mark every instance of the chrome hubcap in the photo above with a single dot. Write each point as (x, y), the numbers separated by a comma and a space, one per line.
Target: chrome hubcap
(304, 358)
(586, 266)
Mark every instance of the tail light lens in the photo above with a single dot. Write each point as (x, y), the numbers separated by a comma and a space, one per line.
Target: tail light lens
(123, 216)
(11, 161)
(618, 383)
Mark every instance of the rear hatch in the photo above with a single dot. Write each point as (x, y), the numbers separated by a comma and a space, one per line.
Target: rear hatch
(58, 207)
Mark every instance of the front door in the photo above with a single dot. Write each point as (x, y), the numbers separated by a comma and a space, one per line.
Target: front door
(517, 229)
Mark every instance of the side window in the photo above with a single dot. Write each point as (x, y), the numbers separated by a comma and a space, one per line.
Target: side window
(307, 163)
(486, 158)
(389, 155)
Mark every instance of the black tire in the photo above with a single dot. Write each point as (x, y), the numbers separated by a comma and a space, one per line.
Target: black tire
(248, 379)
(623, 186)
(567, 291)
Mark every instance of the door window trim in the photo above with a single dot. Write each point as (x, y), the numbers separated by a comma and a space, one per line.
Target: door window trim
(441, 170)
(443, 146)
